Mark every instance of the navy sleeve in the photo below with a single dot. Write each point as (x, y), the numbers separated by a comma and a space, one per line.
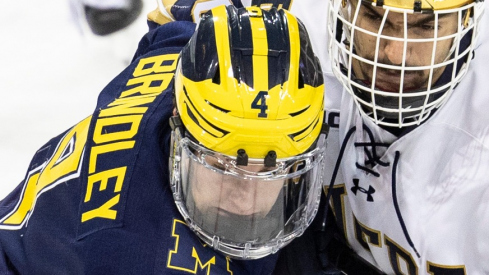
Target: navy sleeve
(173, 36)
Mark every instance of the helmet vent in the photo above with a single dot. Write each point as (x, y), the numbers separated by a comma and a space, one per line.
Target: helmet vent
(299, 112)
(301, 80)
(299, 135)
(192, 116)
(217, 76)
(217, 107)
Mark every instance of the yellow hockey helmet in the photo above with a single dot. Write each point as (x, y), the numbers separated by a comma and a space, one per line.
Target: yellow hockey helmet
(248, 140)
(249, 80)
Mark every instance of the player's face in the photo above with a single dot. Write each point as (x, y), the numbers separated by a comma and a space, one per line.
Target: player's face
(216, 194)
(398, 52)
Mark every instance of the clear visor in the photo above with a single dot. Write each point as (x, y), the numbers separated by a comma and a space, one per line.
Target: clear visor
(400, 64)
(246, 212)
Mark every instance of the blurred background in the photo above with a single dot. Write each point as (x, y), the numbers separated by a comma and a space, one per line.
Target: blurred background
(56, 56)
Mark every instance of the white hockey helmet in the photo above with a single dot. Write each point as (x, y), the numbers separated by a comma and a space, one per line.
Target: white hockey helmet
(401, 59)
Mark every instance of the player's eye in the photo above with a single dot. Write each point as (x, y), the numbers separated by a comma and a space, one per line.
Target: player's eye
(428, 27)
(371, 16)
(425, 30)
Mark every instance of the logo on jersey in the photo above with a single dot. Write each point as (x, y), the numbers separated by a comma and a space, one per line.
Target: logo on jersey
(357, 188)
(194, 257)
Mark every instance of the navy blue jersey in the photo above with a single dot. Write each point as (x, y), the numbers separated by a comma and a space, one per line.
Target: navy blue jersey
(96, 199)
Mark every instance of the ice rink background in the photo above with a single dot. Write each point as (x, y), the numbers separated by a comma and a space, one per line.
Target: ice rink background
(51, 72)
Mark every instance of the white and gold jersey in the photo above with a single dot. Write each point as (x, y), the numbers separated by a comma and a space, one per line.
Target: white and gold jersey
(417, 204)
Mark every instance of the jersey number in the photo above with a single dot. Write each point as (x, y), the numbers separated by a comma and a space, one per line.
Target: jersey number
(260, 103)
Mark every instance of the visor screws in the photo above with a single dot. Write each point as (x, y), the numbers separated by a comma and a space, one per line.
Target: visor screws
(242, 158)
(271, 159)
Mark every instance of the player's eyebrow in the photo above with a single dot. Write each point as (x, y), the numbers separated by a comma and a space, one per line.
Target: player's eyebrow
(370, 8)
(428, 19)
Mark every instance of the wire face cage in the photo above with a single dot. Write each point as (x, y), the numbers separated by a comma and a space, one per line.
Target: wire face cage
(401, 61)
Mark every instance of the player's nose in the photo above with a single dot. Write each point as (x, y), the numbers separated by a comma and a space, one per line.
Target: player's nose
(395, 51)
(243, 197)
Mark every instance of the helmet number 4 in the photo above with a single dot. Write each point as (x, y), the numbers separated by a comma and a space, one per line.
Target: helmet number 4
(260, 103)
